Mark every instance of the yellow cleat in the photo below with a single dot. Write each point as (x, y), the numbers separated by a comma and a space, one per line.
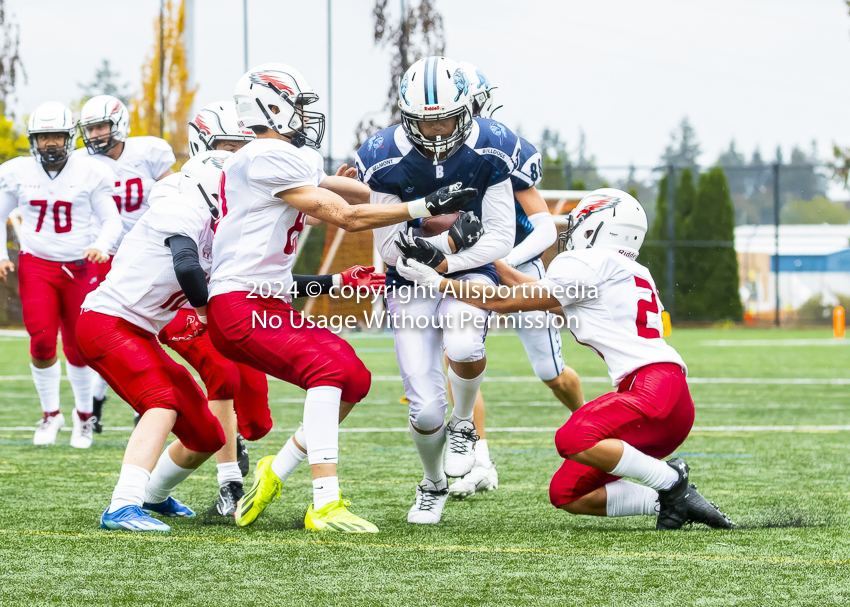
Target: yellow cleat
(404, 400)
(265, 490)
(336, 517)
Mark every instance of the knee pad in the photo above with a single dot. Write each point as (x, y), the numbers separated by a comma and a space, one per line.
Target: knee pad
(565, 440)
(358, 380)
(43, 347)
(463, 346)
(429, 416)
(254, 429)
(546, 368)
(223, 383)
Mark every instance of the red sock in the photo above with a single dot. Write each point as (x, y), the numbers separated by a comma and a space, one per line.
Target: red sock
(84, 416)
(51, 414)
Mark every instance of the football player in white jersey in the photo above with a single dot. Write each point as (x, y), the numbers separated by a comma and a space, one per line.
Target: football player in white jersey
(138, 163)
(612, 306)
(535, 232)
(268, 189)
(69, 225)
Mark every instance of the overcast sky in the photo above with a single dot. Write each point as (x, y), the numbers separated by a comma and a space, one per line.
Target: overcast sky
(764, 72)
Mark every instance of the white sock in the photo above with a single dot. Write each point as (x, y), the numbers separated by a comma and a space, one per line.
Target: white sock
(288, 458)
(325, 491)
(130, 488)
(465, 393)
(430, 448)
(482, 452)
(98, 386)
(228, 472)
(47, 385)
(164, 478)
(321, 424)
(630, 499)
(645, 469)
(80, 378)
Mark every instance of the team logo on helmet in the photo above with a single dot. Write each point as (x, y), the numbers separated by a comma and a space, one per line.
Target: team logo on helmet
(116, 108)
(604, 202)
(271, 81)
(482, 80)
(402, 89)
(216, 161)
(202, 126)
(461, 82)
(499, 130)
(375, 143)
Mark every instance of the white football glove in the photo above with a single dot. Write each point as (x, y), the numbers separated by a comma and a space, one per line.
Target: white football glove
(418, 272)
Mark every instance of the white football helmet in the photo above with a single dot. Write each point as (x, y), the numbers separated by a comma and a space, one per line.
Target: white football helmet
(606, 218)
(277, 85)
(216, 122)
(51, 117)
(435, 88)
(104, 108)
(480, 90)
(200, 177)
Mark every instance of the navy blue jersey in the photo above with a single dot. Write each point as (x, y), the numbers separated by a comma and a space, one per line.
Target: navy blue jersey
(390, 164)
(529, 173)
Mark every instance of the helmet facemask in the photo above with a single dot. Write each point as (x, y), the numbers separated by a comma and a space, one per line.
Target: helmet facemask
(102, 143)
(51, 155)
(440, 145)
(308, 128)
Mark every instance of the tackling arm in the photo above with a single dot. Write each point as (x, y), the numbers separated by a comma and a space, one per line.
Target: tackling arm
(520, 298)
(544, 231)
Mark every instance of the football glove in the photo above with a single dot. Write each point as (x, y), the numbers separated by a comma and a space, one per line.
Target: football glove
(362, 276)
(418, 272)
(449, 199)
(414, 247)
(466, 231)
(193, 328)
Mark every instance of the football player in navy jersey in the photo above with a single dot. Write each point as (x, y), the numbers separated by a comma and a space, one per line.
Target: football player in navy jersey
(438, 144)
(535, 232)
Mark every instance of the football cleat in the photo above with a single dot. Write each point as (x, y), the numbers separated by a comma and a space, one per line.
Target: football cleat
(673, 502)
(482, 478)
(427, 509)
(460, 455)
(242, 456)
(170, 508)
(97, 413)
(700, 510)
(229, 495)
(336, 517)
(47, 429)
(264, 491)
(131, 518)
(83, 433)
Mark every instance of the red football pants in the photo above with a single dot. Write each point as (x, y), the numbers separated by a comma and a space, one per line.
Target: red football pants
(51, 295)
(285, 348)
(652, 410)
(143, 374)
(224, 379)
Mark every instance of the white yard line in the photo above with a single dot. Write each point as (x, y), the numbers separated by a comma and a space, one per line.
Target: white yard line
(775, 342)
(802, 429)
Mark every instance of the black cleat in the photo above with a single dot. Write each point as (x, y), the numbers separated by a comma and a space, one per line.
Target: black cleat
(242, 456)
(228, 496)
(673, 502)
(97, 413)
(136, 418)
(700, 510)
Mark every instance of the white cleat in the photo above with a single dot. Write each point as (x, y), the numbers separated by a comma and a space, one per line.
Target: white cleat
(460, 452)
(430, 500)
(83, 432)
(47, 429)
(482, 478)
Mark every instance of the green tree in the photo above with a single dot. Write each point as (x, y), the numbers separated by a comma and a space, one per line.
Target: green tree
(105, 82)
(684, 149)
(817, 210)
(553, 149)
(715, 269)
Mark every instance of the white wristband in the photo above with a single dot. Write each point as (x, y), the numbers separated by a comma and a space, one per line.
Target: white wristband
(202, 318)
(337, 281)
(417, 208)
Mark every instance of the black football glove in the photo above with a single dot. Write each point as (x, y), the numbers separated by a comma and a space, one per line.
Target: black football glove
(413, 247)
(466, 231)
(449, 199)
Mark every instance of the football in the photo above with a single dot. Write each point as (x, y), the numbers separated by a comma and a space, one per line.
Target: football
(431, 226)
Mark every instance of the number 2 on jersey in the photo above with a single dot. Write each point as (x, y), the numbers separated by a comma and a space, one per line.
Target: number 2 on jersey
(643, 307)
(292, 234)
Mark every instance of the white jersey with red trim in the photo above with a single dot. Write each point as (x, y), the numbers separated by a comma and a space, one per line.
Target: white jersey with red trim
(256, 238)
(142, 288)
(622, 323)
(141, 163)
(62, 215)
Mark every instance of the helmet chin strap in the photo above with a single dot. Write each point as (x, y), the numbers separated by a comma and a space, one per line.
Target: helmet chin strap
(595, 234)
(213, 209)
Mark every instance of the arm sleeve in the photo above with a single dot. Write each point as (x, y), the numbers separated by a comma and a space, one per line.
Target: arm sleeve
(565, 274)
(325, 283)
(187, 268)
(8, 203)
(274, 172)
(111, 227)
(499, 221)
(385, 237)
(540, 239)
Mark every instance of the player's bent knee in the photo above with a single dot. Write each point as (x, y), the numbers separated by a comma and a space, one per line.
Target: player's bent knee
(461, 349)
(224, 383)
(429, 417)
(43, 348)
(254, 429)
(358, 381)
(72, 355)
(546, 371)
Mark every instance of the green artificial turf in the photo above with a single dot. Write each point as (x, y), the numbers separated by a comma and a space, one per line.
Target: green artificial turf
(787, 489)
